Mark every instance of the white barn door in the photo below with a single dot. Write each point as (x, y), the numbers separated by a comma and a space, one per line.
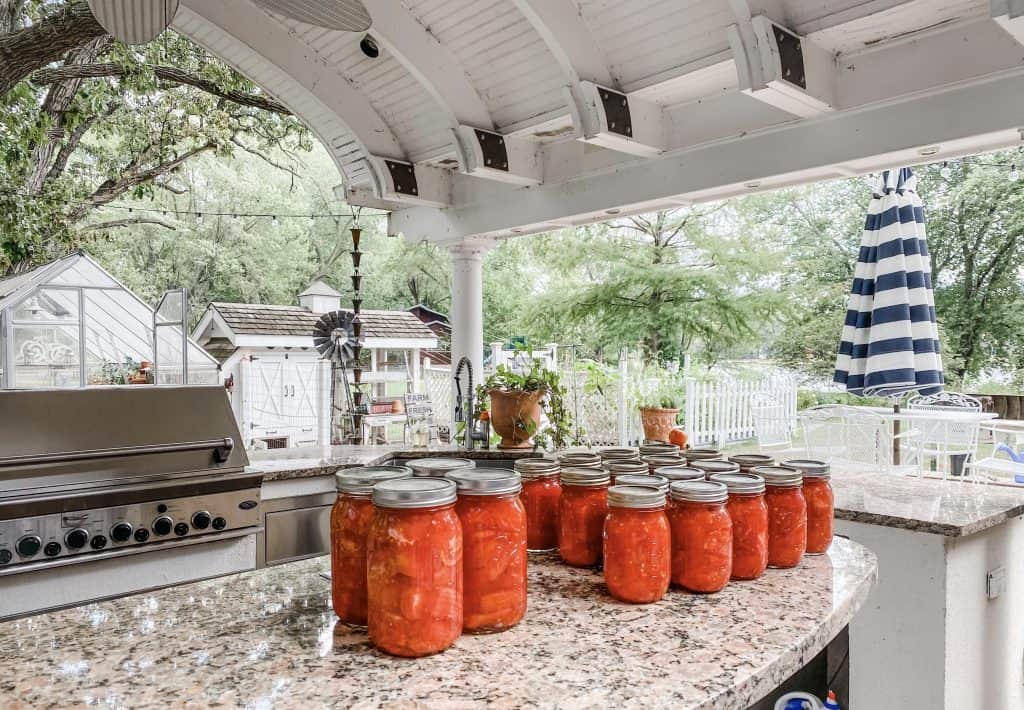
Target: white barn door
(284, 399)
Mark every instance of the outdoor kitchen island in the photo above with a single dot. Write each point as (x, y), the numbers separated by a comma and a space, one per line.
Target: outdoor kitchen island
(268, 638)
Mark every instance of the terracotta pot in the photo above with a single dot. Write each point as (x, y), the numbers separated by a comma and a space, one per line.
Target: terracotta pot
(510, 413)
(658, 423)
(397, 406)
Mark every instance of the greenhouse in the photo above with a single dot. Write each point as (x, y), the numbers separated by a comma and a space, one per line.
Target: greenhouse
(71, 324)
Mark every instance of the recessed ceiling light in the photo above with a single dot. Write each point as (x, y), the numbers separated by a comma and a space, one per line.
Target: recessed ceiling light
(369, 47)
(930, 150)
(612, 211)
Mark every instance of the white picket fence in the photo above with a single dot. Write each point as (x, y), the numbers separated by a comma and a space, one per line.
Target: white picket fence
(719, 411)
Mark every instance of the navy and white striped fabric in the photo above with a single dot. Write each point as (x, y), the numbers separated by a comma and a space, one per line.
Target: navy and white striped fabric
(890, 343)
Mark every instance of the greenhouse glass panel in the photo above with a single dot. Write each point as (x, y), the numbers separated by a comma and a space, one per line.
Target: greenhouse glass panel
(85, 273)
(117, 336)
(49, 305)
(46, 355)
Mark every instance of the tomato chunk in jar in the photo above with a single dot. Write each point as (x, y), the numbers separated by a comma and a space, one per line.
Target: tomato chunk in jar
(701, 536)
(493, 549)
(749, 514)
(350, 521)
(581, 513)
(637, 544)
(414, 567)
(542, 490)
(820, 503)
(787, 515)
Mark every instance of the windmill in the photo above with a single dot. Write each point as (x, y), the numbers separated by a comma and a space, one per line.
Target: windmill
(336, 338)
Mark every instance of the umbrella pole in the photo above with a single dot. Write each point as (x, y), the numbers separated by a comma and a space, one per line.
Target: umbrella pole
(896, 433)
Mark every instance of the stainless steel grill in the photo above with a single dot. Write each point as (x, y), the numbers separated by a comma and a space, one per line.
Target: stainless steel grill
(91, 479)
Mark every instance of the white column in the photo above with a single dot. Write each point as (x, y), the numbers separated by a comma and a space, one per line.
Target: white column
(467, 312)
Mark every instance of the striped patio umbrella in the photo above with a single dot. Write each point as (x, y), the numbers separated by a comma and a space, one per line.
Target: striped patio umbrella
(890, 343)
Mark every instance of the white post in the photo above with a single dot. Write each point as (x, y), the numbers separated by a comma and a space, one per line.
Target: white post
(623, 414)
(467, 316)
(498, 356)
(244, 387)
(323, 429)
(416, 375)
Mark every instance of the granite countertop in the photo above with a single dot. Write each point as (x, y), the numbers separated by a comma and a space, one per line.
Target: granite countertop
(931, 505)
(269, 639)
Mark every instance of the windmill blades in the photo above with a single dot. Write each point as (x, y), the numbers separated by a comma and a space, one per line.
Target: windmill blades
(334, 337)
(343, 15)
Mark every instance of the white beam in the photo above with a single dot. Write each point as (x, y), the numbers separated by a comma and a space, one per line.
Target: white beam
(567, 37)
(1010, 16)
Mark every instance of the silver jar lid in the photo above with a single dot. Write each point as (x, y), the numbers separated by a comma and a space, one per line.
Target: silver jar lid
(615, 466)
(653, 448)
(702, 454)
(485, 481)
(414, 493)
(618, 452)
(810, 468)
(680, 473)
(636, 479)
(438, 467)
(779, 476)
(741, 483)
(361, 480)
(712, 466)
(586, 459)
(656, 460)
(747, 461)
(582, 476)
(643, 497)
(699, 491)
(529, 469)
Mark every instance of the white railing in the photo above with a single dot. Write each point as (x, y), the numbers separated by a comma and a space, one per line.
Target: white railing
(719, 411)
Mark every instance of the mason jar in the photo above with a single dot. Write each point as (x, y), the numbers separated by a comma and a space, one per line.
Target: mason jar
(658, 448)
(542, 491)
(637, 544)
(643, 479)
(712, 466)
(610, 453)
(437, 467)
(619, 467)
(749, 514)
(701, 536)
(817, 490)
(581, 513)
(787, 515)
(655, 461)
(579, 459)
(692, 455)
(749, 461)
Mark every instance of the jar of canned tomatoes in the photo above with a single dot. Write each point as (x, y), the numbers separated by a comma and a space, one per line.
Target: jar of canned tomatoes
(712, 466)
(618, 453)
(643, 479)
(749, 514)
(655, 461)
(493, 548)
(350, 520)
(787, 515)
(679, 473)
(438, 467)
(621, 467)
(414, 567)
(658, 448)
(820, 503)
(542, 490)
(749, 461)
(692, 455)
(581, 513)
(701, 536)
(579, 459)
(637, 544)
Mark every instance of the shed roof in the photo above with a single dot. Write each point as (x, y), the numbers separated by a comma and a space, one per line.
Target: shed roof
(319, 288)
(261, 319)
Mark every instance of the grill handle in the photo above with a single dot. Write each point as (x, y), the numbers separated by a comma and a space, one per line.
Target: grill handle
(221, 452)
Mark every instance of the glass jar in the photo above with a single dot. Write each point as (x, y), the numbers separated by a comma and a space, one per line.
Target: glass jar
(749, 461)
(820, 503)
(787, 515)
(637, 544)
(621, 453)
(621, 467)
(692, 455)
(414, 567)
(701, 536)
(579, 459)
(581, 513)
(656, 461)
(542, 490)
(638, 479)
(712, 466)
(679, 473)
(350, 520)
(749, 514)
(437, 467)
(658, 448)
(493, 548)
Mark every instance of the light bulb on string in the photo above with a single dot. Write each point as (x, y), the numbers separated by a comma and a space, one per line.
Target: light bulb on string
(199, 217)
(946, 172)
(1014, 174)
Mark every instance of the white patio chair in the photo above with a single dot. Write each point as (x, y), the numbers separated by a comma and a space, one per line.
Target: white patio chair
(823, 432)
(941, 437)
(856, 439)
(773, 426)
(1006, 462)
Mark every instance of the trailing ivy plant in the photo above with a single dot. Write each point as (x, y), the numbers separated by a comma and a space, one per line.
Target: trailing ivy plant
(537, 378)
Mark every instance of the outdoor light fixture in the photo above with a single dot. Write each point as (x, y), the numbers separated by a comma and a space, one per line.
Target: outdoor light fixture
(369, 47)
(134, 22)
(612, 211)
(930, 150)
(752, 184)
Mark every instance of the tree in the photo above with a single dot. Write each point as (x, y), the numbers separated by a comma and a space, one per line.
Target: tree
(110, 121)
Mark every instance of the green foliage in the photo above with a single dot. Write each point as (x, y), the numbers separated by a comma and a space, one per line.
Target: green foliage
(658, 387)
(812, 398)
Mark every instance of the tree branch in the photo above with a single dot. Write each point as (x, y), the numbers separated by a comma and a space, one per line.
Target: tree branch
(265, 158)
(171, 74)
(114, 223)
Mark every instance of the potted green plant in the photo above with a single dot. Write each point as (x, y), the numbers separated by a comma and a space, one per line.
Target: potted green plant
(659, 398)
(515, 402)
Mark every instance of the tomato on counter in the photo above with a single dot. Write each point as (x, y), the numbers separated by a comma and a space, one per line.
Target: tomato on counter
(749, 514)
(701, 536)
(820, 503)
(350, 521)
(414, 567)
(787, 515)
(493, 549)
(637, 544)
(581, 513)
(542, 491)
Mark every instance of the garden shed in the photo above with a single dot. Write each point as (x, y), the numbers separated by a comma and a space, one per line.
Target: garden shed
(69, 323)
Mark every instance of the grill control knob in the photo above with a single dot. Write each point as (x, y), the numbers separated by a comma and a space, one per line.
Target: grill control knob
(52, 549)
(76, 539)
(201, 520)
(5, 556)
(122, 532)
(98, 542)
(181, 529)
(141, 535)
(219, 523)
(28, 546)
(163, 525)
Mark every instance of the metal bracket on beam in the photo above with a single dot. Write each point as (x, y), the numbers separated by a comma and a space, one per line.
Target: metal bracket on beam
(397, 183)
(621, 122)
(491, 155)
(1009, 14)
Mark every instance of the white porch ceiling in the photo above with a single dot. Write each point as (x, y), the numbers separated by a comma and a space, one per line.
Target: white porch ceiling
(711, 89)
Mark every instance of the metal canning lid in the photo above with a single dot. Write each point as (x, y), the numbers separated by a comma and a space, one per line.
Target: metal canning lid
(626, 466)
(529, 469)
(360, 481)
(711, 466)
(747, 461)
(618, 453)
(581, 476)
(699, 491)
(485, 481)
(635, 497)
(662, 459)
(702, 454)
(780, 476)
(749, 483)
(810, 468)
(438, 467)
(680, 473)
(635, 479)
(580, 458)
(414, 493)
(655, 448)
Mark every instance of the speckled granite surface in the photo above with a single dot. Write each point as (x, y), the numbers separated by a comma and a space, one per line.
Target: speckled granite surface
(951, 508)
(268, 639)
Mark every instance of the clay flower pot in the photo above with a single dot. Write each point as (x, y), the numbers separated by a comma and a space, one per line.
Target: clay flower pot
(658, 423)
(515, 416)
